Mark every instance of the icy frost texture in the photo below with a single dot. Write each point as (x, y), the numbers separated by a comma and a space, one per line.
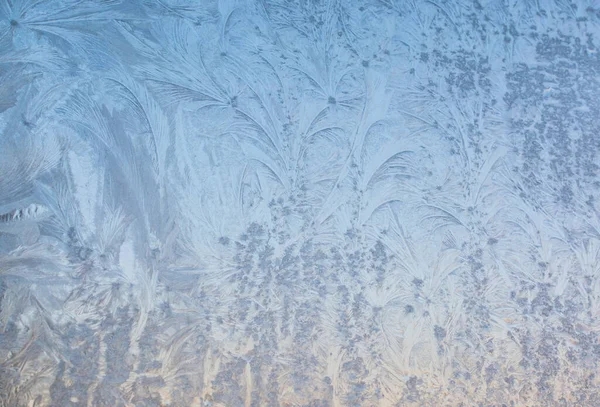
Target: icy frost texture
(299, 203)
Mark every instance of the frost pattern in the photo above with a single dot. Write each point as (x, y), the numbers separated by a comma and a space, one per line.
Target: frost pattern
(299, 203)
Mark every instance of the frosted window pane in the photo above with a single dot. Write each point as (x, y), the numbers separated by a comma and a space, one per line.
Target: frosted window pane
(299, 203)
